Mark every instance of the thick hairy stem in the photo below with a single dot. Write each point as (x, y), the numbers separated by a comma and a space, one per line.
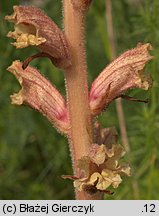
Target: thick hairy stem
(119, 107)
(81, 136)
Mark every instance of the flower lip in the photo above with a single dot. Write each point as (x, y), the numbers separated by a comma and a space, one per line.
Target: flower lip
(25, 36)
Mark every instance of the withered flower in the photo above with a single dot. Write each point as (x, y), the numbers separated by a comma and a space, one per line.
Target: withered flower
(123, 73)
(104, 169)
(33, 27)
(101, 169)
(41, 95)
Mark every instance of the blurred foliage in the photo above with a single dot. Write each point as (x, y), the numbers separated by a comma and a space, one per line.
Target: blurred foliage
(33, 156)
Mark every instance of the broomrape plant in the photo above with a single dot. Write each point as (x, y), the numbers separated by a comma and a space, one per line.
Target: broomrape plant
(94, 150)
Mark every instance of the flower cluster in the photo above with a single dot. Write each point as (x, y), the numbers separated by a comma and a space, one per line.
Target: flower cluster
(99, 169)
(34, 27)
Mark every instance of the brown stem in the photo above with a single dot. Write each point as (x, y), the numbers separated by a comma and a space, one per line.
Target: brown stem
(119, 107)
(81, 136)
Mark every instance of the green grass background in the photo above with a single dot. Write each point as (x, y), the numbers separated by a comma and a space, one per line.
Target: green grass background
(33, 156)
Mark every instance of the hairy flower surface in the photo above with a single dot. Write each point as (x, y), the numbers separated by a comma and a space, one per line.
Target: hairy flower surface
(123, 73)
(33, 27)
(41, 95)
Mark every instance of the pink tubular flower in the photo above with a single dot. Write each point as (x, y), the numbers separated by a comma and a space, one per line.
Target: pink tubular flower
(41, 95)
(123, 73)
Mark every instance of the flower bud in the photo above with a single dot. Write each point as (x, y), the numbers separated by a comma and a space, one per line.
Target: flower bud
(123, 73)
(41, 95)
(33, 27)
